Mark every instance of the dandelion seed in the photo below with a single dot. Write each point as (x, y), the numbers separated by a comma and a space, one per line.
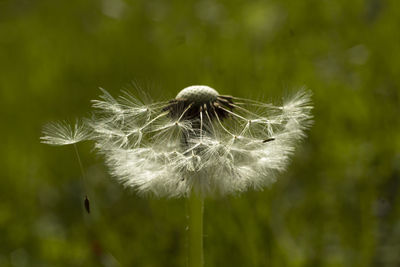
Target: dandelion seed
(62, 133)
(200, 141)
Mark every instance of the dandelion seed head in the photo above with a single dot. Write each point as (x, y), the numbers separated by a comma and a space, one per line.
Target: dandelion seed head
(199, 141)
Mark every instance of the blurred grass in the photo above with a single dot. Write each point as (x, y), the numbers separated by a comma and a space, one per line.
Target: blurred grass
(338, 203)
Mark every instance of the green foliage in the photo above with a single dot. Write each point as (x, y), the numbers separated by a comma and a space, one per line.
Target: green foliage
(338, 203)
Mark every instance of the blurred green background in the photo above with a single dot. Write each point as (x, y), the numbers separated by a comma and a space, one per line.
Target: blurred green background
(338, 203)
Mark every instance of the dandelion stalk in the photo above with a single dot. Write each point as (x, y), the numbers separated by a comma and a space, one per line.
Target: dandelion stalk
(86, 200)
(80, 166)
(196, 207)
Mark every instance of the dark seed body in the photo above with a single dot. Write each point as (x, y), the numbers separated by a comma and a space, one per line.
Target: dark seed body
(87, 204)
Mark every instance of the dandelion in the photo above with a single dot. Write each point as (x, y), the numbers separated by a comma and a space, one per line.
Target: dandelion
(198, 144)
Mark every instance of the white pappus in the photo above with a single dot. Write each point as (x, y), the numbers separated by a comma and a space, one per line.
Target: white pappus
(200, 141)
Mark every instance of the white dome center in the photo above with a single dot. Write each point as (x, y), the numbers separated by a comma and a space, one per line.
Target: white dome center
(198, 94)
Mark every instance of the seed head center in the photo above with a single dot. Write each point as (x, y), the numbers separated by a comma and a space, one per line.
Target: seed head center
(198, 94)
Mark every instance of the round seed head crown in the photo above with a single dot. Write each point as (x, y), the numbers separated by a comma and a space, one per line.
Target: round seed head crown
(194, 101)
(198, 94)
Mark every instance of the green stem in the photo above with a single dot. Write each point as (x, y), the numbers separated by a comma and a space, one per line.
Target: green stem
(195, 230)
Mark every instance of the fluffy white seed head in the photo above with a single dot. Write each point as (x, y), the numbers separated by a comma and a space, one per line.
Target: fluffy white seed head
(198, 141)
